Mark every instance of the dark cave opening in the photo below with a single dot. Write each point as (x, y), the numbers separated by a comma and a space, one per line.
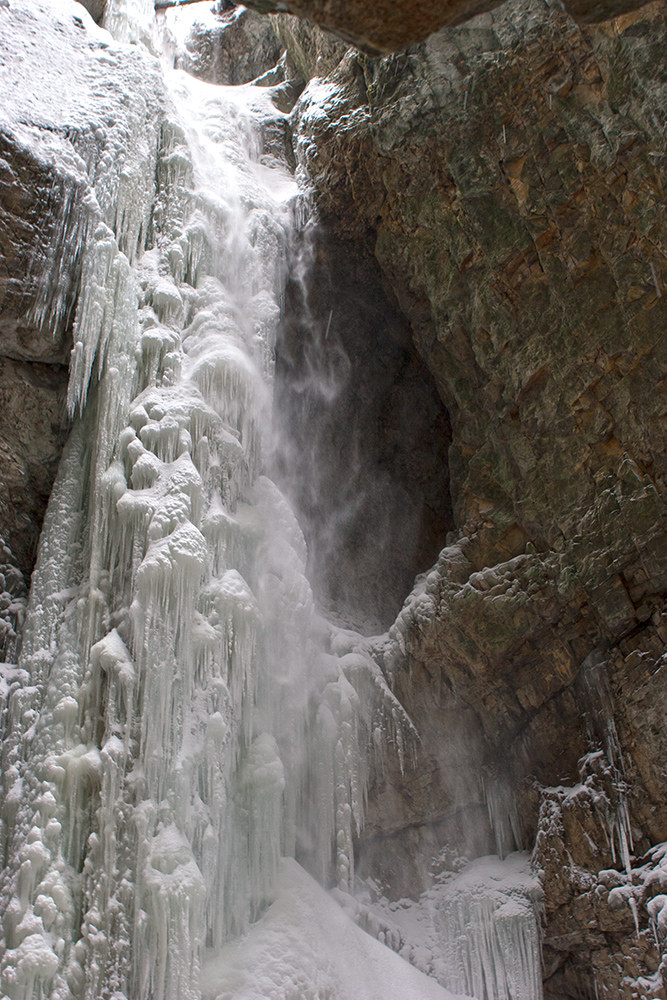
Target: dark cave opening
(363, 436)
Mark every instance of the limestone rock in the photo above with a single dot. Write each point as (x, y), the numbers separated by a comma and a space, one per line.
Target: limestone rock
(507, 176)
(33, 354)
(599, 933)
(31, 195)
(489, 163)
(95, 8)
(33, 429)
(485, 165)
(312, 52)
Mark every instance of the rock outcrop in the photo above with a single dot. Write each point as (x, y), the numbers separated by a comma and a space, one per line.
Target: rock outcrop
(393, 25)
(235, 48)
(33, 356)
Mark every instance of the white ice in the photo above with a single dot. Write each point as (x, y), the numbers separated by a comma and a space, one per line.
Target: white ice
(475, 930)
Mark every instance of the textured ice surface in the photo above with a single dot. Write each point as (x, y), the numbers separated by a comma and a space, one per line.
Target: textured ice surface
(12, 605)
(488, 931)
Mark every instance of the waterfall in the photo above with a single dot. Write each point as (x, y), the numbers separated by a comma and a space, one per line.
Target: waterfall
(180, 718)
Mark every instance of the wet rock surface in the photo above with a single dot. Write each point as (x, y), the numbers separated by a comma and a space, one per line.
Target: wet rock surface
(238, 48)
(33, 429)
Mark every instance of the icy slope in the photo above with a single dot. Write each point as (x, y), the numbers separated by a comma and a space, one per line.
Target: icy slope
(306, 948)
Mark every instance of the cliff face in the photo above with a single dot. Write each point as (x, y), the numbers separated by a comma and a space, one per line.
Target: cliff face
(509, 178)
(391, 25)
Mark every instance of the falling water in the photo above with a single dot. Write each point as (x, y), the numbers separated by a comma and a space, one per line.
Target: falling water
(180, 718)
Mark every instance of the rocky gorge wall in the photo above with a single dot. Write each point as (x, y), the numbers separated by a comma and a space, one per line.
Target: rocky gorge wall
(509, 177)
(492, 212)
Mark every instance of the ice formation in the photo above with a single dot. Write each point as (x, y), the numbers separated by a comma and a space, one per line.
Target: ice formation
(490, 939)
(12, 604)
(179, 718)
(474, 930)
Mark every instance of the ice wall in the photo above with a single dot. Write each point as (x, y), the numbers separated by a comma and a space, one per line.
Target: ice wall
(174, 716)
(486, 924)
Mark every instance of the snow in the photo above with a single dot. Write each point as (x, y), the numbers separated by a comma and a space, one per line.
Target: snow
(306, 948)
(180, 22)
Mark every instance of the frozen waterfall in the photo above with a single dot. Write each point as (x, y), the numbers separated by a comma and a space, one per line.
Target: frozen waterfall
(180, 718)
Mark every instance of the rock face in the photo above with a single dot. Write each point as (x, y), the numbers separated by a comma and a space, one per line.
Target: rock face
(309, 50)
(591, 906)
(95, 8)
(393, 25)
(508, 176)
(33, 356)
(237, 47)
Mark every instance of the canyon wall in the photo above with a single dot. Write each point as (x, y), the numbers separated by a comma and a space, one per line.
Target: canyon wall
(508, 176)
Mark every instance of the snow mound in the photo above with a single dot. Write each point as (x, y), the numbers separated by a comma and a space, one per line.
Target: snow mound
(305, 947)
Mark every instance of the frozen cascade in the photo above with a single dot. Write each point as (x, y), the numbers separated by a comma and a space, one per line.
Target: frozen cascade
(179, 718)
(486, 923)
(473, 929)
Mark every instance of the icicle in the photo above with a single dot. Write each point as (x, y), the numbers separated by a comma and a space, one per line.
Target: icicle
(489, 931)
(503, 814)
